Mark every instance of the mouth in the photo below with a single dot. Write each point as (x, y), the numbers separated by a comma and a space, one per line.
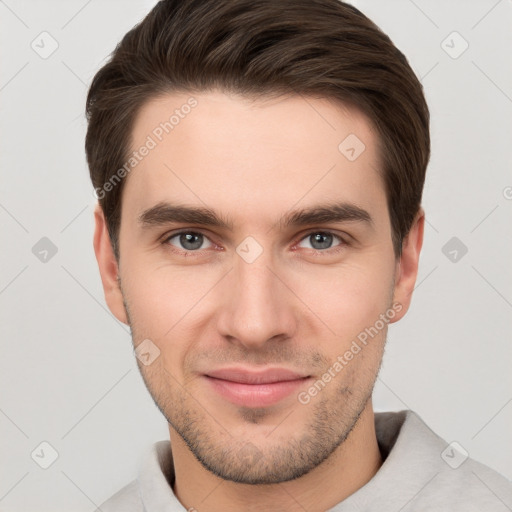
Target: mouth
(250, 388)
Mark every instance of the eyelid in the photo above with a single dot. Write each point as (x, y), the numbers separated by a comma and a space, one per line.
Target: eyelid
(172, 234)
(342, 237)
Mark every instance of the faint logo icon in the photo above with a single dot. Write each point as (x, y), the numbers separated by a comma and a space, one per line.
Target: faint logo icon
(44, 45)
(44, 455)
(351, 147)
(249, 454)
(147, 352)
(454, 455)
(249, 250)
(454, 45)
(44, 250)
(454, 249)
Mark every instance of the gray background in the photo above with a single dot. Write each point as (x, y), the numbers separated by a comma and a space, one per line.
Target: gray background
(68, 374)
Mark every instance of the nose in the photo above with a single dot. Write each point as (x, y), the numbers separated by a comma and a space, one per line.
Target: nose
(257, 306)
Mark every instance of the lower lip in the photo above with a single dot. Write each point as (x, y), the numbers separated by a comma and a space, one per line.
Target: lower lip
(255, 395)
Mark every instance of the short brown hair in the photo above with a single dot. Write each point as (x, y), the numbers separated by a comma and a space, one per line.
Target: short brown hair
(322, 48)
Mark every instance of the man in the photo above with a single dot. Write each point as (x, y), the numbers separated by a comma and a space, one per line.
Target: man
(259, 168)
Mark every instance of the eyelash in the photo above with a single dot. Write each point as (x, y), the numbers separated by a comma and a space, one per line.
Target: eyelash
(333, 250)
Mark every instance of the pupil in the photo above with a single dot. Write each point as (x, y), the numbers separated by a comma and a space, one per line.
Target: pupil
(323, 240)
(187, 240)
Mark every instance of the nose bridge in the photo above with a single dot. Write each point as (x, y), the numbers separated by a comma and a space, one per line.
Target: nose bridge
(256, 308)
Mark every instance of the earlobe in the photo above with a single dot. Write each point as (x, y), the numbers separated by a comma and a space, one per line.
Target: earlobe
(407, 267)
(108, 266)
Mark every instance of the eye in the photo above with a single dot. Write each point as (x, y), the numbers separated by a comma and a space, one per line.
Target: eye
(321, 240)
(188, 241)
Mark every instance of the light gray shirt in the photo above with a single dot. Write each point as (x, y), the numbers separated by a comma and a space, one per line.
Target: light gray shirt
(420, 472)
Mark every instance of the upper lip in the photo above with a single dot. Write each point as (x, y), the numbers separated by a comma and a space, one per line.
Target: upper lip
(252, 376)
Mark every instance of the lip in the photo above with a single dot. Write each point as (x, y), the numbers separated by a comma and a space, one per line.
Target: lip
(255, 388)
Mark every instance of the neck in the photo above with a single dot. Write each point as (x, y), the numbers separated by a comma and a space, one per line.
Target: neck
(348, 468)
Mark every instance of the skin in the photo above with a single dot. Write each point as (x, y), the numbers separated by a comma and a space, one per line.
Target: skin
(252, 161)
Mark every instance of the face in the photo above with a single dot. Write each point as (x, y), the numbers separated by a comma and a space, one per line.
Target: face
(257, 269)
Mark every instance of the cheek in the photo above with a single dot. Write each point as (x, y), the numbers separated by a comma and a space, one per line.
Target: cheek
(171, 304)
(348, 298)
(165, 302)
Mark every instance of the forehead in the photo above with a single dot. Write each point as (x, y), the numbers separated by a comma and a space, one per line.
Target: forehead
(251, 157)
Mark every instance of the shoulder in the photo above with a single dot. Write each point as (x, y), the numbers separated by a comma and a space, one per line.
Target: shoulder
(421, 471)
(453, 480)
(126, 499)
(471, 487)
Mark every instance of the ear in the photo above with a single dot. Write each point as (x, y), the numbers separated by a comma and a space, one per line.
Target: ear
(108, 266)
(407, 266)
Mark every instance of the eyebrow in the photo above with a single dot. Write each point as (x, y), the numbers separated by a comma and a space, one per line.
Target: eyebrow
(166, 213)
